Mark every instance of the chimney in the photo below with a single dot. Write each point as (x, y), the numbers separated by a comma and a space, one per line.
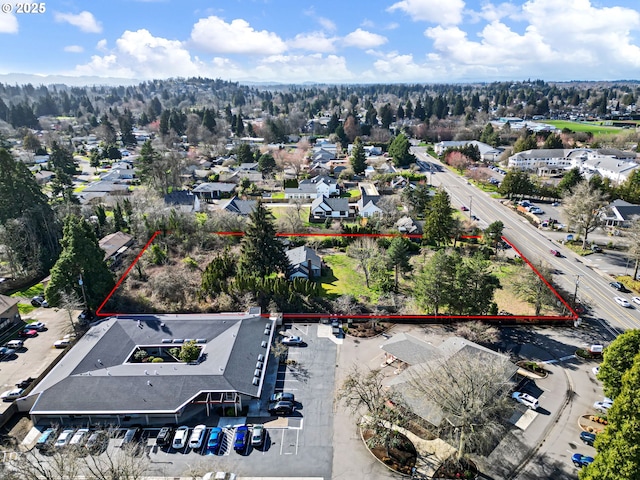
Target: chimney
(309, 268)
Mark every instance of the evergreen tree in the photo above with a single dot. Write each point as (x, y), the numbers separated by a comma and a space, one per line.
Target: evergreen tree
(439, 221)
(618, 357)
(81, 256)
(419, 112)
(358, 157)
(398, 253)
(262, 254)
(30, 232)
(618, 446)
(245, 154)
(553, 141)
(434, 284)
(61, 158)
(400, 151)
(570, 179)
(266, 164)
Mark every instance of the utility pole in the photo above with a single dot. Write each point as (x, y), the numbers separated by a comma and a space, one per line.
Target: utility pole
(575, 292)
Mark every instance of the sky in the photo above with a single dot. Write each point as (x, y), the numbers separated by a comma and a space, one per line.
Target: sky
(328, 41)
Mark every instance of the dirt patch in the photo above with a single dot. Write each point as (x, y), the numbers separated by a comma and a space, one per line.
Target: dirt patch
(14, 432)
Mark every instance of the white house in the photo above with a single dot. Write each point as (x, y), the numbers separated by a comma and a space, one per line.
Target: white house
(314, 187)
(369, 197)
(324, 207)
(487, 152)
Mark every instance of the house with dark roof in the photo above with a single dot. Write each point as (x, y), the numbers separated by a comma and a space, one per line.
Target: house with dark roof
(115, 245)
(238, 206)
(183, 200)
(620, 214)
(419, 358)
(305, 263)
(210, 191)
(314, 187)
(9, 314)
(124, 371)
(367, 205)
(324, 207)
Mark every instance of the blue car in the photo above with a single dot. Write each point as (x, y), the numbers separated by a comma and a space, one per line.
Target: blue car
(580, 460)
(215, 439)
(241, 438)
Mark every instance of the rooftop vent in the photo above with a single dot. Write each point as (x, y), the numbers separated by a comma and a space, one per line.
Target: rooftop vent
(201, 340)
(267, 326)
(264, 344)
(256, 373)
(267, 331)
(178, 340)
(261, 357)
(256, 381)
(166, 340)
(259, 365)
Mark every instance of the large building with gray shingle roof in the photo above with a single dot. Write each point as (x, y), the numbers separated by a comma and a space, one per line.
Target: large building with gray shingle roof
(100, 380)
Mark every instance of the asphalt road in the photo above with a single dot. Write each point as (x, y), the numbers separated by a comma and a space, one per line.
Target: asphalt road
(535, 244)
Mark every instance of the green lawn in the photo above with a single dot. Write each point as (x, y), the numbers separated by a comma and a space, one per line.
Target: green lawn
(37, 289)
(277, 195)
(25, 308)
(583, 127)
(345, 277)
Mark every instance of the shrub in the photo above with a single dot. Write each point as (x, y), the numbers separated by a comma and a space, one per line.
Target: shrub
(157, 360)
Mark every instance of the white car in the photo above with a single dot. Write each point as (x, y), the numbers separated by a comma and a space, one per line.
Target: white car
(292, 341)
(602, 406)
(10, 395)
(39, 326)
(64, 438)
(197, 436)
(526, 399)
(635, 300)
(180, 438)
(622, 302)
(79, 438)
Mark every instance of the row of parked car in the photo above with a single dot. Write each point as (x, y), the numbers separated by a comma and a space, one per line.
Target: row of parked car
(210, 439)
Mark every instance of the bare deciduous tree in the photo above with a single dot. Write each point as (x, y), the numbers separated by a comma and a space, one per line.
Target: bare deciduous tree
(582, 209)
(477, 332)
(364, 250)
(377, 408)
(471, 389)
(533, 290)
(70, 303)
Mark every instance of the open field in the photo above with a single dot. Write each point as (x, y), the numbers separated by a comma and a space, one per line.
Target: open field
(584, 127)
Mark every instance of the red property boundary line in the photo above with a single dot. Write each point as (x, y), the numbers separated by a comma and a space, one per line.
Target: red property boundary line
(293, 316)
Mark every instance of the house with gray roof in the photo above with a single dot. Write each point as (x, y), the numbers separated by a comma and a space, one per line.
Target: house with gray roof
(210, 191)
(182, 200)
(115, 244)
(108, 377)
(620, 214)
(9, 314)
(325, 207)
(238, 206)
(487, 152)
(367, 205)
(423, 358)
(305, 263)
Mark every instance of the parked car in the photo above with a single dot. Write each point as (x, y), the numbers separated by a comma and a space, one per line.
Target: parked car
(165, 435)
(292, 341)
(39, 301)
(622, 302)
(241, 438)
(47, 439)
(28, 332)
(588, 438)
(11, 395)
(596, 248)
(86, 315)
(132, 435)
(25, 383)
(580, 460)
(97, 442)
(526, 399)
(258, 435)
(284, 396)
(635, 300)
(281, 408)
(15, 344)
(62, 343)
(214, 441)
(39, 326)
(197, 436)
(6, 352)
(64, 438)
(79, 438)
(602, 407)
(618, 286)
(180, 437)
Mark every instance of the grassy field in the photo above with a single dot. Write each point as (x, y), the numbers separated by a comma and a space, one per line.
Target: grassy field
(345, 277)
(37, 289)
(584, 127)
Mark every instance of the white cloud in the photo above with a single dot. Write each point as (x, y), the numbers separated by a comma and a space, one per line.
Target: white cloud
(102, 45)
(492, 12)
(394, 67)
(141, 55)
(213, 34)
(85, 21)
(303, 68)
(314, 41)
(327, 24)
(363, 39)
(8, 23)
(441, 12)
(74, 49)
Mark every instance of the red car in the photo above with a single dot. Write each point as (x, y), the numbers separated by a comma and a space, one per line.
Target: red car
(464, 209)
(28, 332)
(555, 253)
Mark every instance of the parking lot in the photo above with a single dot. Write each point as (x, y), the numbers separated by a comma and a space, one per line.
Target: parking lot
(296, 445)
(38, 352)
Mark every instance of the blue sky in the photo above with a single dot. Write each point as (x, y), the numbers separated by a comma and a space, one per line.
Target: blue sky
(350, 41)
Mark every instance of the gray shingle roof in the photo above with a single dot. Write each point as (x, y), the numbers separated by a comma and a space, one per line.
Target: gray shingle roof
(215, 187)
(300, 255)
(241, 207)
(95, 376)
